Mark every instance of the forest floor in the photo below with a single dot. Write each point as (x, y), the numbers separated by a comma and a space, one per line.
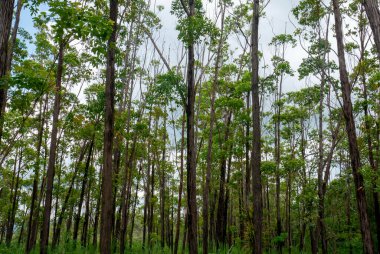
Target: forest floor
(136, 248)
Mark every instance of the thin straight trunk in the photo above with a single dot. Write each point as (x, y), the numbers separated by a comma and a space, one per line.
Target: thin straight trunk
(151, 210)
(97, 213)
(304, 182)
(206, 191)
(277, 141)
(190, 145)
(351, 133)
(147, 190)
(52, 152)
(220, 216)
(321, 230)
(21, 231)
(83, 190)
(212, 232)
(256, 135)
(313, 240)
(57, 231)
(6, 10)
(126, 195)
(69, 222)
(58, 186)
(12, 212)
(7, 56)
(288, 215)
(84, 235)
(134, 209)
(247, 161)
(32, 212)
(180, 188)
(13, 38)
(107, 214)
(226, 202)
(348, 214)
(185, 233)
(162, 187)
(146, 204)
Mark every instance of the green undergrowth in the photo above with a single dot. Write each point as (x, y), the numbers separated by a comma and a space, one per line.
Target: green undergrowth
(136, 248)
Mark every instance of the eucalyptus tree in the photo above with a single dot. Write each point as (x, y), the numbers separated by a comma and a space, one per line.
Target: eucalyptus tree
(206, 188)
(256, 135)
(351, 133)
(106, 218)
(281, 68)
(192, 25)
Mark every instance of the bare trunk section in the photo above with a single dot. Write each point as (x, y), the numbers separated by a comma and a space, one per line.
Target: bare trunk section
(83, 189)
(6, 10)
(180, 188)
(52, 152)
(57, 231)
(106, 213)
(13, 200)
(373, 14)
(191, 150)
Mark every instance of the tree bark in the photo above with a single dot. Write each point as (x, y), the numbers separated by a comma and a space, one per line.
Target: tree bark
(191, 151)
(373, 13)
(6, 10)
(106, 213)
(52, 152)
(351, 133)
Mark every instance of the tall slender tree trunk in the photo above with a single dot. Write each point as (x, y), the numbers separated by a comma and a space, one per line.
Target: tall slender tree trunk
(162, 187)
(83, 190)
(206, 191)
(191, 151)
(134, 209)
(371, 157)
(321, 230)
(52, 152)
(84, 236)
(277, 140)
(351, 133)
(32, 211)
(97, 212)
(180, 188)
(147, 188)
(6, 10)
(13, 200)
(220, 216)
(248, 169)
(106, 214)
(57, 231)
(256, 143)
